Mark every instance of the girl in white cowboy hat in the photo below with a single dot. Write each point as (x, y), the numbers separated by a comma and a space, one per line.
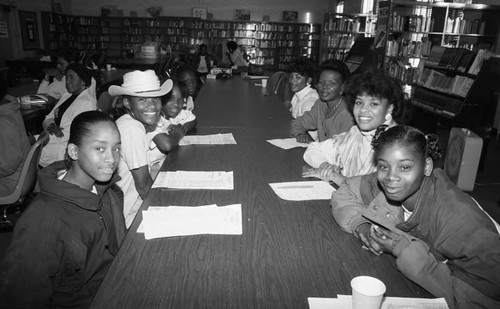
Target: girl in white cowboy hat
(142, 128)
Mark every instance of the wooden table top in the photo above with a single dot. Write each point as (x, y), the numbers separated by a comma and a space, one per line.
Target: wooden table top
(288, 251)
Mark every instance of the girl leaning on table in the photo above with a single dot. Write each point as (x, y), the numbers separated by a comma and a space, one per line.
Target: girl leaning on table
(330, 114)
(79, 98)
(66, 239)
(54, 81)
(146, 135)
(440, 236)
(375, 99)
(173, 103)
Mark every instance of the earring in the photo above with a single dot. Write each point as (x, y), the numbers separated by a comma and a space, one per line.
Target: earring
(388, 117)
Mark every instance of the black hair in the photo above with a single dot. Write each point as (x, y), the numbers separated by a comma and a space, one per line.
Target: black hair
(81, 126)
(304, 66)
(379, 85)
(232, 45)
(182, 87)
(427, 146)
(336, 66)
(3, 88)
(202, 45)
(81, 71)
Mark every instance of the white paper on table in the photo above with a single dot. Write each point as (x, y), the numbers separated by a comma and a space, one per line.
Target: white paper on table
(194, 180)
(303, 190)
(345, 301)
(185, 220)
(328, 303)
(213, 139)
(287, 143)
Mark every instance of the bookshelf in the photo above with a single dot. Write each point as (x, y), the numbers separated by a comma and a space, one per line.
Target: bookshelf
(269, 44)
(340, 31)
(416, 26)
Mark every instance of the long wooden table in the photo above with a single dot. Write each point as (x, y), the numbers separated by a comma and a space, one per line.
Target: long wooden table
(288, 251)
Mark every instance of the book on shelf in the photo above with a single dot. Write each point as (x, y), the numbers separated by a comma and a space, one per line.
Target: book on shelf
(481, 56)
(435, 55)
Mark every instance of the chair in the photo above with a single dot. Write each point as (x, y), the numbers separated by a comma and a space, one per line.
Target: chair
(278, 85)
(106, 103)
(25, 184)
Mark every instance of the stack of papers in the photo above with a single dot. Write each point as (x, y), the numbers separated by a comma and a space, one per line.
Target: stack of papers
(287, 143)
(185, 220)
(345, 302)
(214, 139)
(194, 180)
(303, 190)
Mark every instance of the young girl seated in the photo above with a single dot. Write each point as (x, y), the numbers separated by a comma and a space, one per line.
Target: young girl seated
(142, 143)
(188, 76)
(65, 241)
(442, 239)
(330, 114)
(301, 75)
(173, 111)
(375, 99)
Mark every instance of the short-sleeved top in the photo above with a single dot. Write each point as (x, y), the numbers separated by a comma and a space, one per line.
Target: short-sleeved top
(134, 154)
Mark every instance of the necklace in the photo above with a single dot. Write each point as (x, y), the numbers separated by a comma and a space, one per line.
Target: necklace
(331, 111)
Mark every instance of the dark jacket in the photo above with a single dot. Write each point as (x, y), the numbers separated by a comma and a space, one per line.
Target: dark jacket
(63, 245)
(208, 57)
(448, 225)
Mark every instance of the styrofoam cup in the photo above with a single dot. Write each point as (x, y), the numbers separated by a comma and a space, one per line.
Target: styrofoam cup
(264, 83)
(108, 67)
(367, 292)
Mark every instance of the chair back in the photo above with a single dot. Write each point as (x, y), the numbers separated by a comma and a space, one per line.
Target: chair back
(278, 85)
(28, 176)
(106, 103)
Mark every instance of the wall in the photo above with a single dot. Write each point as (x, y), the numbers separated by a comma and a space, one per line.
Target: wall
(220, 9)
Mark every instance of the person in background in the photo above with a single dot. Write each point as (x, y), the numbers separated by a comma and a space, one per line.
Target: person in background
(330, 114)
(54, 82)
(203, 62)
(440, 236)
(173, 111)
(79, 98)
(139, 128)
(376, 99)
(66, 239)
(187, 75)
(235, 55)
(13, 140)
(301, 76)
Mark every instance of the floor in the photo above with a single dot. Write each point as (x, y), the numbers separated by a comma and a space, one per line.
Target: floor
(486, 190)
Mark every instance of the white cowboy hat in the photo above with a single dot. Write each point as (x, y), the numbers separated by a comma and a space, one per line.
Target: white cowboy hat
(141, 84)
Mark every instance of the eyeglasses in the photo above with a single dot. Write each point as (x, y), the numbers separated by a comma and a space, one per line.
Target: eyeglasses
(327, 83)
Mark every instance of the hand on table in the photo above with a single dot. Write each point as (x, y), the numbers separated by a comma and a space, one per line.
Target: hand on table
(364, 232)
(388, 240)
(56, 130)
(304, 138)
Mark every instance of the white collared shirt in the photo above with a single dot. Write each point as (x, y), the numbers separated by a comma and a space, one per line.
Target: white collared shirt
(303, 101)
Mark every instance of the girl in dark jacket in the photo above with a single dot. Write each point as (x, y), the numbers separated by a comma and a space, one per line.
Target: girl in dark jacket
(65, 241)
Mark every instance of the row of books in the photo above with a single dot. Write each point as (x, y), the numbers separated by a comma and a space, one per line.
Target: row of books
(405, 73)
(341, 41)
(413, 23)
(459, 25)
(458, 59)
(458, 84)
(351, 25)
(407, 48)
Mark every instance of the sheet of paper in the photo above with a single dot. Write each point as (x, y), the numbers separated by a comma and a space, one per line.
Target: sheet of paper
(287, 143)
(213, 139)
(185, 220)
(195, 180)
(303, 190)
(345, 301)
